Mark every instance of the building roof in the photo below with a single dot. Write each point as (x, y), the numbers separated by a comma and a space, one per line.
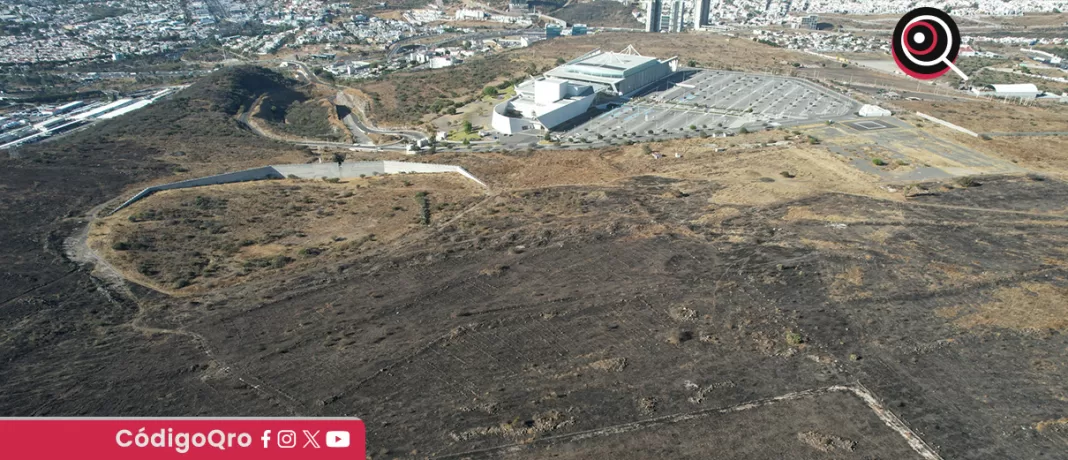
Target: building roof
(604, 67)
(1017, 88)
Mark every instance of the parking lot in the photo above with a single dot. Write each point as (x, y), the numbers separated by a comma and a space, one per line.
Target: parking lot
(718, 101)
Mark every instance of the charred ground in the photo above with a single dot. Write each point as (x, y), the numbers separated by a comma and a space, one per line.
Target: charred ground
(607, 307)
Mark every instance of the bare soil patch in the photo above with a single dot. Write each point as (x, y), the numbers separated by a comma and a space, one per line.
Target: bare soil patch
(993, 116)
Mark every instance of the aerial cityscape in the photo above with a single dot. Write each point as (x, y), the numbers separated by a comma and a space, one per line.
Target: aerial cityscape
(530, 229)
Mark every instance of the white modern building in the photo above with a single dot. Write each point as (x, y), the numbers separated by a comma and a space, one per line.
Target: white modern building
(621, 73)
(542, 103)
(568, 91)
(464, 14)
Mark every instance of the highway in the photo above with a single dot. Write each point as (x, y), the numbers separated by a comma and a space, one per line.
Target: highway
(243, 118)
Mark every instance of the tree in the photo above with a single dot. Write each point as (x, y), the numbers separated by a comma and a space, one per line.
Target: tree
(691, 63)
(560, 61)
(489, 91)
(467, 127)
(339, 158)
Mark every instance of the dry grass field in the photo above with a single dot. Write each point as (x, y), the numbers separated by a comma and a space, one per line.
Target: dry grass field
(195, 240)
(1048, 154)
(995, 116)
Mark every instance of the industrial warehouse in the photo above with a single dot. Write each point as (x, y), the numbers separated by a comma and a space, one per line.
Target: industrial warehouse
(568, 91)
(44, 123)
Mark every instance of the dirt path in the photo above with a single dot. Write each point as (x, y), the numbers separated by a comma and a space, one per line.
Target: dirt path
(111, 284)
(77, 249)
(885, 415)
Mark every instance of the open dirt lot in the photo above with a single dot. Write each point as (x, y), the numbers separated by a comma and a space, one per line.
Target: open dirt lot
(1045, 153)
(995, 116)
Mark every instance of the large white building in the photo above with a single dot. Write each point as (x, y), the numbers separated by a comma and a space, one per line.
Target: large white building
(568, 91)
(621, 73)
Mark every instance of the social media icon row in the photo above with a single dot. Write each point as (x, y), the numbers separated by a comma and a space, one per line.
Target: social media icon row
(287, 439)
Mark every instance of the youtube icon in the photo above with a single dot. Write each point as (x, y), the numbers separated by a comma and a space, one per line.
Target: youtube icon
(337, 439)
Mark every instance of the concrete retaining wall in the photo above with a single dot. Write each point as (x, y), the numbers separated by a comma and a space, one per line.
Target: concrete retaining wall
(398, 167)
(321, 170)
(307, 171)
(267, 172)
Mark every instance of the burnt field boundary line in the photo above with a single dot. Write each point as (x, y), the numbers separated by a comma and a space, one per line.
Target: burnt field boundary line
(888, 418)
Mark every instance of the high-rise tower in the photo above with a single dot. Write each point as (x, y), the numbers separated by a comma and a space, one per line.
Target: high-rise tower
(702, 13)
(652, 16)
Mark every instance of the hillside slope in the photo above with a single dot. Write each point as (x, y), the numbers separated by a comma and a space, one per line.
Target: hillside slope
(59, 332)
(598, 13)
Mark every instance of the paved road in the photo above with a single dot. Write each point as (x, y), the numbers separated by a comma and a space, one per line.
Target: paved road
(345, 99)
(244, 119)
(359, 124)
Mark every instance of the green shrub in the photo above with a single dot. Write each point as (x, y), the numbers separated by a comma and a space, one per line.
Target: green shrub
(968, 181)
(878, 162)
(793, 338)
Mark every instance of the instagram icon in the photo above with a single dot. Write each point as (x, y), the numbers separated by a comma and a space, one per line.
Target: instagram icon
(287, 439)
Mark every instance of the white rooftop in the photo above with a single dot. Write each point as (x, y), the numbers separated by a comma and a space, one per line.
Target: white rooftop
(1017, 88)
